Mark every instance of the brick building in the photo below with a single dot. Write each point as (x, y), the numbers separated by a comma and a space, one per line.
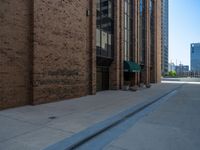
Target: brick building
(53, 50)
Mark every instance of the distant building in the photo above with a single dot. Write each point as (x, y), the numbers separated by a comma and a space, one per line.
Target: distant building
(171, 67)
(182, 68)
(195, 57)
(164, 36)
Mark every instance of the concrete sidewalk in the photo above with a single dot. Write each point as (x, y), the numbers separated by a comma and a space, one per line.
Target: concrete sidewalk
(36, 127)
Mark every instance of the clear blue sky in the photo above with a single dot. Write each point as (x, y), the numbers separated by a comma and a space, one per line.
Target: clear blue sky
(184, 28)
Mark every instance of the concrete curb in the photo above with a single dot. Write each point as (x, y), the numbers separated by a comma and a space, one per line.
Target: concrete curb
(96, 129)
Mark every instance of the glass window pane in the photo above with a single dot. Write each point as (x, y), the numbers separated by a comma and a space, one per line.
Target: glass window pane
(125, 35)
(104, 40)
(104, 27)
(125, 7)
(98, 38)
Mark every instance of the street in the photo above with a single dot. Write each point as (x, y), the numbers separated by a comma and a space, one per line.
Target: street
(163, 117)
(175, 125)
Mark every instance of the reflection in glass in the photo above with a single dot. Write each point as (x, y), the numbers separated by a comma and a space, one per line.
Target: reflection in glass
(142, 31)
(104, 45)
(128, 22)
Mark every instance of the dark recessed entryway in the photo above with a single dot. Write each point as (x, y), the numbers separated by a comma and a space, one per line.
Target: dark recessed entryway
(102, 78)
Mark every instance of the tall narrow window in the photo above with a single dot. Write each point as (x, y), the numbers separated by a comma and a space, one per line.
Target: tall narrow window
(128, 29)
(151, 12)
(142, 30)
(104, 30)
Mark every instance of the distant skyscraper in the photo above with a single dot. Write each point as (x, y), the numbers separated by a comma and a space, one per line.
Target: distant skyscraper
(195, 56)
(164, 30)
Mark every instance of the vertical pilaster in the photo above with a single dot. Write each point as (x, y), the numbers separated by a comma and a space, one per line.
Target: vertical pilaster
(92, 46)
(147, 43)
(121, 43)
(135, 38)
(157, 40)
(115, 66)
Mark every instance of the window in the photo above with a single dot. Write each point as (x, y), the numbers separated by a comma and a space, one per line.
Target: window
(151, 12)
(142, 31)
(128, 23)
(104, 31)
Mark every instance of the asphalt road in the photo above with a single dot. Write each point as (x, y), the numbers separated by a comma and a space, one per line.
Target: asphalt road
(172, 125)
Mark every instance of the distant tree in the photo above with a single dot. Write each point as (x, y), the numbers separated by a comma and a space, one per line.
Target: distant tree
(172, 73)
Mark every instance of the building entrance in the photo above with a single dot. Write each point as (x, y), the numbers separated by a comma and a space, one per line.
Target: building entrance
(102, 78)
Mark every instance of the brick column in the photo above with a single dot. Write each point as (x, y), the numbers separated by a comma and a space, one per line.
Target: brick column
(135, 39)
(147, 44)
(121, 43)
(157, 41)
(92, 46)
(115, 66)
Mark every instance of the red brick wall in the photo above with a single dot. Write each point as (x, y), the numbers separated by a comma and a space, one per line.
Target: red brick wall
(56, 51)
(61, 54)
(57, 56)
(15, 52)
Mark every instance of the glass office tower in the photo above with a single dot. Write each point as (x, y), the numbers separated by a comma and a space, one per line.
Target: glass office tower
(195, 57)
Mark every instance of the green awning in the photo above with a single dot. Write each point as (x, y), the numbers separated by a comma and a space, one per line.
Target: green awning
(130, 66)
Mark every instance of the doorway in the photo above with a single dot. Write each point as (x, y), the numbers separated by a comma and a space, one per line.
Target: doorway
(102, 80)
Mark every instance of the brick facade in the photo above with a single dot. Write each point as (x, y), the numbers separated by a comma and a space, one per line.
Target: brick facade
(15, 52)
(156, 74)
(61, 53)
(48, 50)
